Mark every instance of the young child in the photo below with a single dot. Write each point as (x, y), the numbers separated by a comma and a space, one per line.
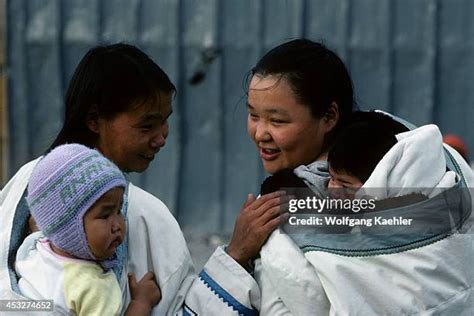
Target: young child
(75, 196)
(359, 148)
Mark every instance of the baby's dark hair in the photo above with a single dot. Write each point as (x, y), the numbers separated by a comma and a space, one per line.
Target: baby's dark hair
(362, 144)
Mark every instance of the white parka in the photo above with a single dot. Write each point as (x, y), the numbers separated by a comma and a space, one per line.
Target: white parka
(433, 277)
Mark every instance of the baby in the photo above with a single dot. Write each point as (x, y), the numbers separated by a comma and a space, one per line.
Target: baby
(359, 148)
(75, 196)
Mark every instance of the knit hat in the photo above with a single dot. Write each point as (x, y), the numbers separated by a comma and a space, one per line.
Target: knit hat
(62, 187)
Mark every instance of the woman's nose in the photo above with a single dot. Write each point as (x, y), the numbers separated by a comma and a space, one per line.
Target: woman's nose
(159, 140)
(261, 133)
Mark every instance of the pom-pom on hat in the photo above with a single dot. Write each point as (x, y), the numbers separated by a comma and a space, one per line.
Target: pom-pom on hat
(62, 187)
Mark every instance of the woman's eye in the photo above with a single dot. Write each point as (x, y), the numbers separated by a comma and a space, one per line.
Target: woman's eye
(277, 121)
(253, 116)
(147, 128)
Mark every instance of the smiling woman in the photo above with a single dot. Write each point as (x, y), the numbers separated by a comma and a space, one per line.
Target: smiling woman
(119, 102)
(284, 130)
(299, 99)
(132, 138)
(299, 95)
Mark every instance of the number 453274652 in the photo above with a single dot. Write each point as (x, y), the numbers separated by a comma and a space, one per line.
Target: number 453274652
(26, 305)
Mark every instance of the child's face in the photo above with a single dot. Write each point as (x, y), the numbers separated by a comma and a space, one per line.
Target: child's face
(104, 224)
(345, 182)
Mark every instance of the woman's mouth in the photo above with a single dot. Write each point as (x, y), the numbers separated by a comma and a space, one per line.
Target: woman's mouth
(269, 154)
(148, 157)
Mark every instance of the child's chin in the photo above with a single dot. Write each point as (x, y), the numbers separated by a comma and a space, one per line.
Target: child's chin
(105, 256)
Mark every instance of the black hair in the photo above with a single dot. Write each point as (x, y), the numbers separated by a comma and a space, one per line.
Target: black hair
(362, 144)
(317, 76)
(114, 78)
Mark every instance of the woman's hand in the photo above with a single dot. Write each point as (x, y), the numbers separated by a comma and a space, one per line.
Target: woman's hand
(145, 294)
(256, 221)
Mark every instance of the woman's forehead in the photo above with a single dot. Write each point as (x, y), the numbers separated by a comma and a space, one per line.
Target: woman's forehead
(156, 107)
(273, 94)
(268, 82)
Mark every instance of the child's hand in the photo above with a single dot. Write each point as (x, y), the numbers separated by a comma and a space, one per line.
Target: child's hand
(146, 291)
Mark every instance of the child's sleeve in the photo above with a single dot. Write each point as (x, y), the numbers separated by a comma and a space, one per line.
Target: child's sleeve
(89, 291)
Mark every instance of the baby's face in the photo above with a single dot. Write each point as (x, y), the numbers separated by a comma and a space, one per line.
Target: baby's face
(104, 224)
(342, 184)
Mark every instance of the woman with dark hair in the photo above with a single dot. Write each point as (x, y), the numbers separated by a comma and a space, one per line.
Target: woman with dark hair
(300, 95)
(119, 102)
(299, 88)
